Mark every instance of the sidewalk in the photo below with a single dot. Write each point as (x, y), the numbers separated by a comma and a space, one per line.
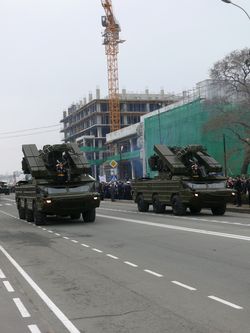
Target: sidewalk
(242, 209)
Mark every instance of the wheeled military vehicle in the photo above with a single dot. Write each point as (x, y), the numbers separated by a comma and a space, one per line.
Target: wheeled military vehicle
(57, 183)
(187, 178)
(4, 188)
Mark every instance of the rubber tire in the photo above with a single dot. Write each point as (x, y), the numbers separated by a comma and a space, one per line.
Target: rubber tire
(178, 207)
(89, 215)
(29, 215)
(141, 204)
(158, 207)
(75, 216)
(21, 213)
(39, 217)
(220, 210)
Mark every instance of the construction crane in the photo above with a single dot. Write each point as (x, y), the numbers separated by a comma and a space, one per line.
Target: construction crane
(111, 41)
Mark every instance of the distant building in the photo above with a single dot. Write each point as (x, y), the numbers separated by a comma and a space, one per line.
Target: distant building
(87, 123)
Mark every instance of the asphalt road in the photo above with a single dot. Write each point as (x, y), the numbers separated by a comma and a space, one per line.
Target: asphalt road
(128, 272)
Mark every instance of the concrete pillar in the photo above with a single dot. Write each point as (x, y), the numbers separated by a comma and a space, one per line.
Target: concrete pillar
(98, 93)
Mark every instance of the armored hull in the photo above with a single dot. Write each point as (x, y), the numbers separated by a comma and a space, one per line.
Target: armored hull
(70, 191)
(180, 186)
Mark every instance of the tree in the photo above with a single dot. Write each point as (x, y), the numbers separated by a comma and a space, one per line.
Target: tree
(231, 108)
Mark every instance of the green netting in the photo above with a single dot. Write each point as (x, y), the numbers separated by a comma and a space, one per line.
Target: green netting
(119, 157)
(185, 125)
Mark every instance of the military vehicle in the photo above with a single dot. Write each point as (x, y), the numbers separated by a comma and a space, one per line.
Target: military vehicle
(187, 177)
(4, 188)
(57, 183)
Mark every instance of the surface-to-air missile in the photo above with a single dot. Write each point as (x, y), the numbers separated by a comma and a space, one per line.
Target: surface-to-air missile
(57, 183)
(188, 177)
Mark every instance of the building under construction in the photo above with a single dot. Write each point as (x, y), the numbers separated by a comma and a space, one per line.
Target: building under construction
(88, 123)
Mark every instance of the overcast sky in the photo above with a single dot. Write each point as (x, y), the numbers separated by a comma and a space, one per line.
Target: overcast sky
(52, 55)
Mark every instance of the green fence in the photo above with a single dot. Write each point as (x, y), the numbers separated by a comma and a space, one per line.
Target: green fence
(185, 125)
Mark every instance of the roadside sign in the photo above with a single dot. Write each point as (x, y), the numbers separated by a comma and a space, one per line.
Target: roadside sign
(113, 164)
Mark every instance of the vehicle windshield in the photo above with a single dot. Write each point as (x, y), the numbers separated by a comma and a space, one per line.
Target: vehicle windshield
(87, 187)
(206, 185)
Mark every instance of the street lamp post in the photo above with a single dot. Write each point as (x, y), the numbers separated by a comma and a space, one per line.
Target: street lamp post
(229, 1)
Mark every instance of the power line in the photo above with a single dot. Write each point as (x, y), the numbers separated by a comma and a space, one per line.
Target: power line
(29, 129)
(28, 134)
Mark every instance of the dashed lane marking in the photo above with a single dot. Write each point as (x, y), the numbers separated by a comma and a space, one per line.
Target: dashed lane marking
(85, 245)
(8, 286)
(34, 329)
(184, 285)
(235, 306)
(2, 276)
(111, 256)
(130, 263)
(57, 312)
(153, 273)
(22, 309)
(97, 250)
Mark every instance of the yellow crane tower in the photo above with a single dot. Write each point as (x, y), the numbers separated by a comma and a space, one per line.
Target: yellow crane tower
(111, 40)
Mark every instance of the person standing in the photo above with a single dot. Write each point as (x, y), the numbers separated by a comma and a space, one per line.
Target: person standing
(238, 188)
(247, 189)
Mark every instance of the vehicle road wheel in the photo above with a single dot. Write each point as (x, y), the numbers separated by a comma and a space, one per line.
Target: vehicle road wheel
(89, 215)
(194, 210)
(178, 207)
(29, 215)
(220, 210)
(141, 204)
(21, 212)
(75, 216)
(39, 217)
(158, 207)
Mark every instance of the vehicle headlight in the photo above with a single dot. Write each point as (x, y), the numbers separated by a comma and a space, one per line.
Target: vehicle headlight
(95, 198)
(233, 193)
(48, 201)
(196, 195)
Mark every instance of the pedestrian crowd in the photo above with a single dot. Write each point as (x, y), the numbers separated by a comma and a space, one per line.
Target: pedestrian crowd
(241, 185)
(115, 190)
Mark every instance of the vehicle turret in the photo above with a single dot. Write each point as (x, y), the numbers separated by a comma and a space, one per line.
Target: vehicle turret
(53, 159)
(192, 160)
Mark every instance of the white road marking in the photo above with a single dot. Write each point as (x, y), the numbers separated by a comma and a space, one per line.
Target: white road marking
(44, 229)
(173, 227)
(50, 231)
(24, 312)
(8, 286)
(235, 306)
(153, 273)
(177, 217)
(66, 237)
(97, 250)
(74, 241)
(111, 256)
(34, 329)
(85, 245)
(57, 234)
(8, 204)
(183, 285)
(130, 263)
(57, 312)
(2, 276)
(10, 215)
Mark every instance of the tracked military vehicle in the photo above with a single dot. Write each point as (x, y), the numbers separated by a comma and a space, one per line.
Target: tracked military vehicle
(57, 183)
(188, 178)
